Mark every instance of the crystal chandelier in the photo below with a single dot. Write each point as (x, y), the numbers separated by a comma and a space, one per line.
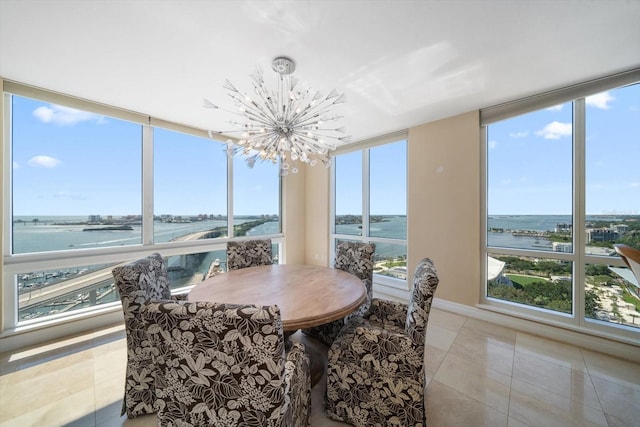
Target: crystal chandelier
(293, 123)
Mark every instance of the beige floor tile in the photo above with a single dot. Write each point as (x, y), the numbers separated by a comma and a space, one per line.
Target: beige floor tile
(538, 407)
(552, 351)
(110, 362)
(512, 422)
(75, 409)
(433, 359)
(612, 369)
(481, 349)
(447, 407)
(440, 337)
(38, 387)
(502, 334)
(474, 380)
(575, 385)
(618, 400)
(617, 422)
(476, 374)
(44, 364)
(446, 319)
(108, 335)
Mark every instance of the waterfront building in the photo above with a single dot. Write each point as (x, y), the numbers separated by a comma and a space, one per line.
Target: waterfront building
(601, 235)
(562, 247)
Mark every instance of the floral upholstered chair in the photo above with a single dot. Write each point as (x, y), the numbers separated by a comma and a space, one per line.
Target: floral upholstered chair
(248, 253)
(225, 364)
(355, 258)
(138, 282)
(375, 373)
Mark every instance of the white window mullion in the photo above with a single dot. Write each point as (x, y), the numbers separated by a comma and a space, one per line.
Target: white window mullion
(484, 250)
(229, 191)
(579, 235)
(332, 210)
(147, 185)
(366, 204)
(10, 290)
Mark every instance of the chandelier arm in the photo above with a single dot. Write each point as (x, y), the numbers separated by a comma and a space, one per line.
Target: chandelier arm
(288, 123)
(267, 98)
(250, 108)
(315, 110)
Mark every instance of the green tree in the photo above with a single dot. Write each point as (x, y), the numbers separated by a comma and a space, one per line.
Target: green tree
(597, 270)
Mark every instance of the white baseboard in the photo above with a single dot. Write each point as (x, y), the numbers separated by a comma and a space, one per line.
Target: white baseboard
(562, 333)
(29, 337)
(582, 337)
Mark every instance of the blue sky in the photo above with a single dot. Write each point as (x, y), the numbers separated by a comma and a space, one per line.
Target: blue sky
(387, 168)
(530, 158)
(69, 162)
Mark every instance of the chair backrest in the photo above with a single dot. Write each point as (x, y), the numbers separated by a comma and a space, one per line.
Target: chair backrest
(142, 280)
(138, 282)
(357, 258)
(631, 257)
(249, 253)
(425, 282)
(217, 362)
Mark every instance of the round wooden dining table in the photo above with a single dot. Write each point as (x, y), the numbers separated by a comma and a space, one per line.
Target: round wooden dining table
(307, 296)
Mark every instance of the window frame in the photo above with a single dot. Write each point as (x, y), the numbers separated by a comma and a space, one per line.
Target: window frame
(392, 284)
(580, 259)
(13, 264)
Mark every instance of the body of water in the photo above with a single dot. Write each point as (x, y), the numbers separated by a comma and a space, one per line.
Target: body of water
(51, 233)
(43, 235)
(535, 223)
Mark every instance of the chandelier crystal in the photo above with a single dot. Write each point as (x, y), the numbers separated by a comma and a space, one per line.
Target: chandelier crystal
(292, 123)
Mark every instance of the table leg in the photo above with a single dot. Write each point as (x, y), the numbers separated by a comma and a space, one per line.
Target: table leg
(287, 339)
(315, 349)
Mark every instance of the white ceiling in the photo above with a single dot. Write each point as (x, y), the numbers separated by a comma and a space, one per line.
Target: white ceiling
(400, 63)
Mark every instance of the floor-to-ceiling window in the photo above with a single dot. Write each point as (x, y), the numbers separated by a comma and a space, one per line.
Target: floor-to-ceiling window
(562, 187)
(369, 198)
(91, 186)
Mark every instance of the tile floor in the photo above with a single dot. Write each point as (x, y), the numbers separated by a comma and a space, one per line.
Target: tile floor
(478, 374)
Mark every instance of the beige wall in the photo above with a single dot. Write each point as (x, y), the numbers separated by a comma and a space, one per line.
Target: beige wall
(2, 185)
(293, 216)
(443, 198)
(306, 215)
(317, 219)
(443, 212)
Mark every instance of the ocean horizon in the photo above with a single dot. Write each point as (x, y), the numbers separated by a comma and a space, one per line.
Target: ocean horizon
(50, 233)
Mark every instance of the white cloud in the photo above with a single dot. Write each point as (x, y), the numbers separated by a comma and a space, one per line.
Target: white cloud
(599, 100)
(555, 130)
(635, 185)
(520, 134)
(43, 162)
(16, 165)
(65, 116)
(555, 108)
(493, 144)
